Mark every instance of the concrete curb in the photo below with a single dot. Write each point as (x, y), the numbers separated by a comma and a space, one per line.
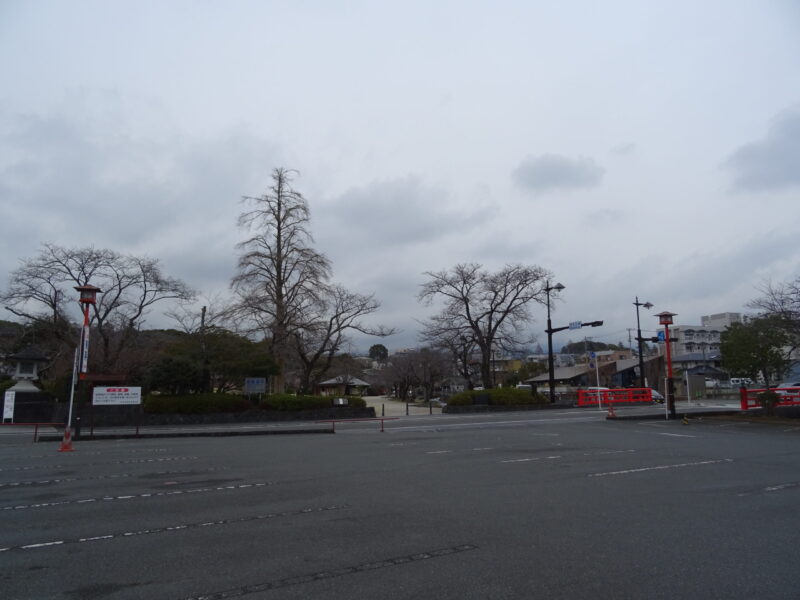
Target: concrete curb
(678, 416)
(181, 434)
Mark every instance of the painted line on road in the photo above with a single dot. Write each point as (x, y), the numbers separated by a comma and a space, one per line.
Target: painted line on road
(324, 575)
(773, 488)
(677, 435)
(607, 452)
(140, 496)
(518, 460)
(661, 467)
(131, 461)
(439, 452)
(103, 477)
(182, 527)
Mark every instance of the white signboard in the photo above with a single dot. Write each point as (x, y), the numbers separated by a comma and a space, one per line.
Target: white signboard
(85, 351)
(108, 396)
(8, 405)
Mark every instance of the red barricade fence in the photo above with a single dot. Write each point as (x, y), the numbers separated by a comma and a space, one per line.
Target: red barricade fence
(615, 396)
(788, 397)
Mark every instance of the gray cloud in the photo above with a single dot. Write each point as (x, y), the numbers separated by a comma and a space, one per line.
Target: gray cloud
(772, 163)
(399, 211)
(624, 149)
(175, 198)
(552, 171)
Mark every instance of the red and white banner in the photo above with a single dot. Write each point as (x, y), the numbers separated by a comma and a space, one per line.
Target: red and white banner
(107, 396)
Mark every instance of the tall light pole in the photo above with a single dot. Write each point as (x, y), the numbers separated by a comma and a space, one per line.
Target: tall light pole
(88, 294)
(550, 366)
(639, 340)
(665, 319)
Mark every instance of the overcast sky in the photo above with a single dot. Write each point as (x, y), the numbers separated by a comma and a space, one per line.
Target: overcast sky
(631, 148)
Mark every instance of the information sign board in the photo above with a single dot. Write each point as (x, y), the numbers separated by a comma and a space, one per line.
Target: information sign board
(255, 385)
(8, 405)
(109, 396)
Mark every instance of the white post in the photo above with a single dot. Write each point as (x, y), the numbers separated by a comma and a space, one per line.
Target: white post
(597, 377)
(666, 398)
(72, 389)
(688, 389)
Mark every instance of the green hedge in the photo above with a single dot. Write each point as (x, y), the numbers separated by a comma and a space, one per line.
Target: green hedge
(498, 397)
(196, 404)
(228, 403)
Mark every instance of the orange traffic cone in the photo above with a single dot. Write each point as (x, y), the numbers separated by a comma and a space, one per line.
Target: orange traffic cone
(611, 413)
(66, 443)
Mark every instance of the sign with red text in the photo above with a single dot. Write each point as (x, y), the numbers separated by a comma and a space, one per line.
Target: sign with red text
(110, 396)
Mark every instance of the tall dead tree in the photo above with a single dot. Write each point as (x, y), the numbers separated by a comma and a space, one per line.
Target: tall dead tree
(279, 275)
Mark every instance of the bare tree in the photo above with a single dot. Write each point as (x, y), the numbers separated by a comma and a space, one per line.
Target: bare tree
(458, 343)
(325, 327)
(279, 276)
(781, 301)
(488, 308)
(131, 287)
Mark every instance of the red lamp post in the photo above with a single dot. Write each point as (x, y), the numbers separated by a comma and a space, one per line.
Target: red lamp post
(665, 319)
(88, 297)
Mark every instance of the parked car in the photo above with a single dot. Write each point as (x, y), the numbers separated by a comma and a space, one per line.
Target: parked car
(656, 396)
(785, 389)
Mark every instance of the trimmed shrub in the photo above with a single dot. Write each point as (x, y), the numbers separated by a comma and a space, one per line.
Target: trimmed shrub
(498, 397)
(196, 404)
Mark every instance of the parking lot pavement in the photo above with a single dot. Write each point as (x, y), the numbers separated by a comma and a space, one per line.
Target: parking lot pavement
(561, 504)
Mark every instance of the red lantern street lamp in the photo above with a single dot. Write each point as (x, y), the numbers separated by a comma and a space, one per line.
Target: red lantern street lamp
(665, 319)
(88, 297)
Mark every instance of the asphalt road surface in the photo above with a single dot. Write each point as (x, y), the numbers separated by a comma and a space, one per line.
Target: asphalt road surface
(555, 504)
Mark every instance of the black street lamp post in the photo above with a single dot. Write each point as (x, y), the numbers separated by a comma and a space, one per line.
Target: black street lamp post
(550, 366)
(550, 331)
(639, 339)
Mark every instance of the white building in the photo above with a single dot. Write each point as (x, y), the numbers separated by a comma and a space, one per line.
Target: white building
(705, 338)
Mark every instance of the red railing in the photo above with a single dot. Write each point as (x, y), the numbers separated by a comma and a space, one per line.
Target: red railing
(617, 396)
(788, 397)
(35, 427)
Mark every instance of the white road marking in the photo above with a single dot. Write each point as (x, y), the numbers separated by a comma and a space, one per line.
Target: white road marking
(516, 460)
(181, 527)
(139, 496)
(661, 467)
(677, 435)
